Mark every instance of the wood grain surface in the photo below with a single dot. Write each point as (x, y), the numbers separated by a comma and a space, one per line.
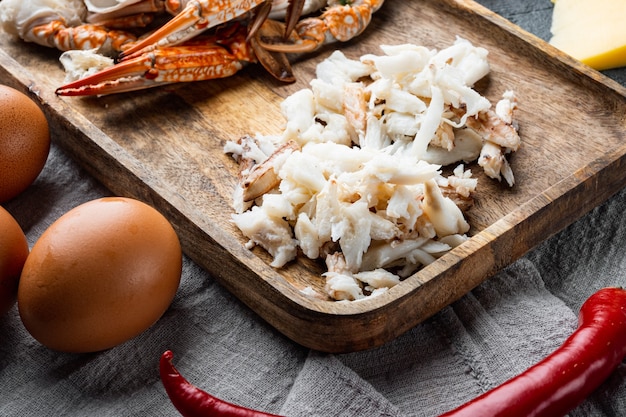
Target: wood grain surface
(165, 146)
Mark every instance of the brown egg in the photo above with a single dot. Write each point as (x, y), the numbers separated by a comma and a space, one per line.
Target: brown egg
(13, 254)
(24, 142)
(100, 275)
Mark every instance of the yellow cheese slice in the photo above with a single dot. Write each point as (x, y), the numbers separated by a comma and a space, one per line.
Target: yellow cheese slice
(592, 31)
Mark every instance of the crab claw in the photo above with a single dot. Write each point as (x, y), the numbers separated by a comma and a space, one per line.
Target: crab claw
(196, 17)
(294, 12)
(163, 66)
(276, 63)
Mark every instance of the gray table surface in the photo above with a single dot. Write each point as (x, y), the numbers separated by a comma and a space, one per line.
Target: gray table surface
(502, 327)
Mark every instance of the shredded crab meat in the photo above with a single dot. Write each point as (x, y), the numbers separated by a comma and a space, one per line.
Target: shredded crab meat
(79, 64)
(356, 176)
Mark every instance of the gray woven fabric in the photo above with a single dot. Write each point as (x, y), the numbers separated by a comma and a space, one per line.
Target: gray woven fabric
(508, 323)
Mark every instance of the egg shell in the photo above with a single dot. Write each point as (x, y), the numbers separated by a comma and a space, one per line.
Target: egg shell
(101, 274)
(24, 142)
(13, 254)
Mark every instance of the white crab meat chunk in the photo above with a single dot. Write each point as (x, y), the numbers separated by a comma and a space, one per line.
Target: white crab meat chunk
(396, 99)
(444, 137)
(495, 164)
(399, 126)
(78, 64)
(493, 129)
(326, 210)
(376, 136)
(355, 108)
(337, 68)
(506, 107)
(377, 279)
(309, 121)
(428, 124)
(462, 182)
(255, 150)
(399, 170)
(400, 62)
(271, 233)
(330, 127)
(342, 286)
(467, 147)
(382, 228)
(446, 217)
(405, 204)
(352, 229)
(299, 111)
(327, 96)
(335, 159)
(307, 235)
(454, 240)
(277, 206)
(340, 112)
(304, 171)
(470, 61)
(382, 254)
(497, 125)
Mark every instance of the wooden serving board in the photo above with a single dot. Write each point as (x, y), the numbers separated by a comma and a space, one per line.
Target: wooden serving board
(165, 146)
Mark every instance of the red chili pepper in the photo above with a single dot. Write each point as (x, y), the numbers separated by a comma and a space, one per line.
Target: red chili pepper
(191, 401)
(561, 381)
(550, 388)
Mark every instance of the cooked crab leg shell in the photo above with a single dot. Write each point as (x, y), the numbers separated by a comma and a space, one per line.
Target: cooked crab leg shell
(196, 17)
(163, 66)
(340, 22)
(83, 37)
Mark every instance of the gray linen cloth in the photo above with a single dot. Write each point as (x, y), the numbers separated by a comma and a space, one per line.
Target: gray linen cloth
(498, 330)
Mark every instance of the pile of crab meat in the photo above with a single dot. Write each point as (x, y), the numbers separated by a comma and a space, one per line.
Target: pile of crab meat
(356, 176)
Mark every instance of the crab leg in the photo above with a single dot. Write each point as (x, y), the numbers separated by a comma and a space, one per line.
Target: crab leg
(292, 15)
(174, 54)
(201, 59)
(196, 17)
(342, 21)
(83, 37)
